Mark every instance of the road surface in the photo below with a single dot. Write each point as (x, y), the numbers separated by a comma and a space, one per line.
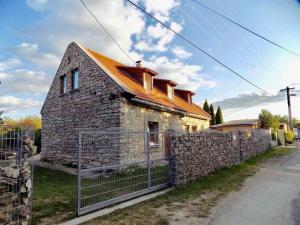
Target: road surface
(271, 197)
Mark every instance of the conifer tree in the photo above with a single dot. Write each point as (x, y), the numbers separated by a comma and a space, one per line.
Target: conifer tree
(212, 114)
(219, 116)
(206, 106)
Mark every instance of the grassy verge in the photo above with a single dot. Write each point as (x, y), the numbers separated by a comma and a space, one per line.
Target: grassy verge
(54, 198)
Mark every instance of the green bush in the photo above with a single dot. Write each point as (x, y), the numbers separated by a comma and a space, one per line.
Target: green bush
(289, 137)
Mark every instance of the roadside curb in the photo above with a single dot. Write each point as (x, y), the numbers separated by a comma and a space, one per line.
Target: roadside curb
(109, 210)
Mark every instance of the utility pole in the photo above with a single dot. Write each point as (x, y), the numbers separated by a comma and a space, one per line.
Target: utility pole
(289, 95)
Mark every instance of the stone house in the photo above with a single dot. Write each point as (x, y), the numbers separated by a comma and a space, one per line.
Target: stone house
(93, 92)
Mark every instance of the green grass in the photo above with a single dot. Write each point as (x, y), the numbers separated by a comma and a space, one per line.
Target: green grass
(54, 196)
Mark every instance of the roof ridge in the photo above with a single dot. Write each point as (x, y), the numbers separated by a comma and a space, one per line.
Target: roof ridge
(100, 54)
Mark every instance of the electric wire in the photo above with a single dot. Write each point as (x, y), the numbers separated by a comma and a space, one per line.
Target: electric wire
(247, 29)
(197, 47)
(106, 31)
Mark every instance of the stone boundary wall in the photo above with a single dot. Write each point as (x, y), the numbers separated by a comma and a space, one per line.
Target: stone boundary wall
(196, 154)
(16, 186)
(254, 142)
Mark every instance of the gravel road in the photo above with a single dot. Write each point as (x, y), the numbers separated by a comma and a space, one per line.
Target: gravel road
(271, 197)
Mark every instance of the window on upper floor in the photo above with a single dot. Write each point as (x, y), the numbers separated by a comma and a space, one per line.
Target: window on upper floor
(147, 81)
(154, 135)
(75, 79)
(63, 84)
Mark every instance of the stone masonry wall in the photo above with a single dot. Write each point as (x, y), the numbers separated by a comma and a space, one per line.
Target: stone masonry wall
(253, 142)
(196, 154)
(95, 105)
(135, 118)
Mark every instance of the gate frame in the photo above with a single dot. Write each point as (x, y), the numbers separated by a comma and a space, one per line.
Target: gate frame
(88, 209)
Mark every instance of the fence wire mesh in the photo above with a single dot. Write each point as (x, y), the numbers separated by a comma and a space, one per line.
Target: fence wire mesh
(116, 166)
(16, 175)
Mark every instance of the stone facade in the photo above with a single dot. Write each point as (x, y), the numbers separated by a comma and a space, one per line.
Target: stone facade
(136, 118)
(196, 154)
(114, 126)
(95, 105)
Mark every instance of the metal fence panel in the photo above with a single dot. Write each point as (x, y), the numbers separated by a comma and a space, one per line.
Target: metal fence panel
(117, 166)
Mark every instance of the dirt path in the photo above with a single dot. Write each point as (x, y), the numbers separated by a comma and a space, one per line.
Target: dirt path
(270, 197)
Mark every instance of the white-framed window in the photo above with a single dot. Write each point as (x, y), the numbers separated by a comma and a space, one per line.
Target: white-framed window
(75, 79)
(148, 81)
(170, 92)
(154, 135)
(63, 84)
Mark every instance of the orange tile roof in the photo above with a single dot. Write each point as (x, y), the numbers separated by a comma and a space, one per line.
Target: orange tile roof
(114, 70)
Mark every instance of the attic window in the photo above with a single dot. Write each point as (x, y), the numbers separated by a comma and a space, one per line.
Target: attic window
(170, 92)
(148, 81)
(75, 79)
(63, 84)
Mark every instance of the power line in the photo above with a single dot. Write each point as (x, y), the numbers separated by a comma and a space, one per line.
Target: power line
(107, 32)
(232, 34)
(197, 47)
(247, 29)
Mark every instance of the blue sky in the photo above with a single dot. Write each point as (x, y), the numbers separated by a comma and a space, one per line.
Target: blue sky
(35, 33)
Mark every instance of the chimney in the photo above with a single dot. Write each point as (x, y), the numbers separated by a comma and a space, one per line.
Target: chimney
(138, 63)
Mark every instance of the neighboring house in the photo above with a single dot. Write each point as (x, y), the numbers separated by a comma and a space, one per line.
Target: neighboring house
(235, 125)
(93, 92)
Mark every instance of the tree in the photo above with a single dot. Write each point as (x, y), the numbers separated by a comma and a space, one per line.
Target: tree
(212, 114)
(206, 106)
(219, 116)
(268, 120)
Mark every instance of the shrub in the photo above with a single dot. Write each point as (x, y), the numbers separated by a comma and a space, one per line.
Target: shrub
(289, 137)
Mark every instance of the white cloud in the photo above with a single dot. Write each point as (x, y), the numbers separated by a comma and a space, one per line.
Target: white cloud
(12, 104)
(32, 53)
(67, 21)
(180, 52)
(24, 81)
(161, 38)
(187, 76)
(9, 64)
(156, 31)
(161, 9)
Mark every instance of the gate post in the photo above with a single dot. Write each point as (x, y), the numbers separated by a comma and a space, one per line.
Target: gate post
(147, 145)
(79, 173)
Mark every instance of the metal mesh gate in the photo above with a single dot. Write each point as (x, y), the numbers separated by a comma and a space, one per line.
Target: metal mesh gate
(117, 166)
